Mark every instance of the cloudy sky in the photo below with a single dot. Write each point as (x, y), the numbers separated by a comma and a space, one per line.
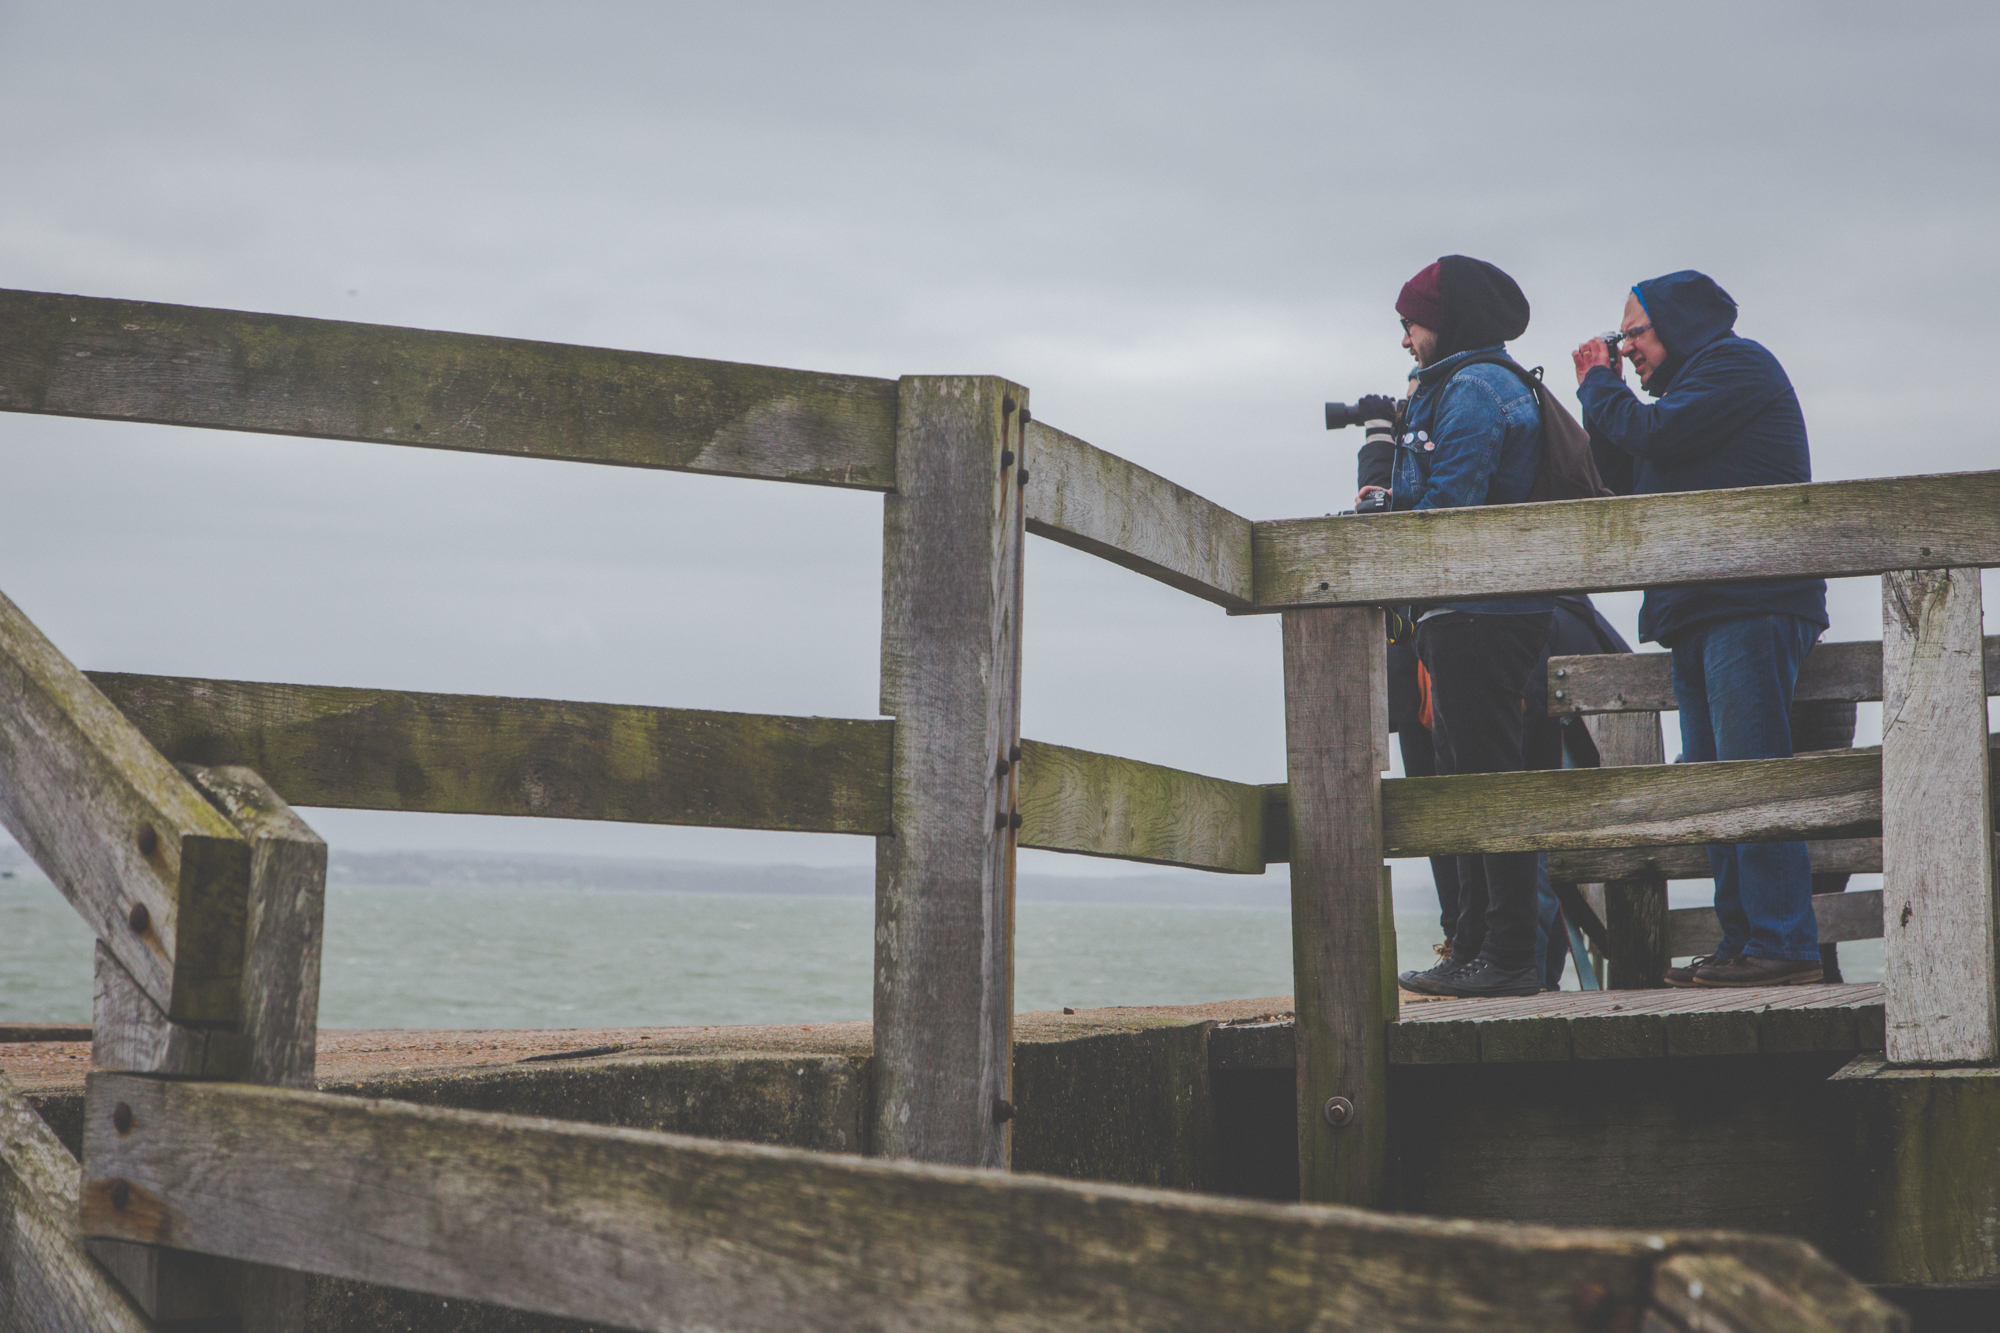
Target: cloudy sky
(1182, 226)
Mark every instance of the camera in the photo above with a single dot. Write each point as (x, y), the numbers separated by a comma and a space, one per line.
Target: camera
(1375, 502)
(1372, 407)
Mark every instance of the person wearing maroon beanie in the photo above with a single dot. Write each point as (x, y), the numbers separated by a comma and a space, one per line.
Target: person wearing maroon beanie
(1473, 436)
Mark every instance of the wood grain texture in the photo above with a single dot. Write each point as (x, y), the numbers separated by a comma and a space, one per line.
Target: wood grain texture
(48, 1284)
(1635, 904)
(278, 1019)
(84, 356)
(654, 1231)
(1853, 915)
(1336, 747)
(116, 829)
(1101, 805)
(1937, 823)
(951, 671)
(1095, 501)
(1644, 541)
(1637, 682)
(322, 745)
(272, 1041)
(1720, 1293)
(1830, 856)
(1745, 800)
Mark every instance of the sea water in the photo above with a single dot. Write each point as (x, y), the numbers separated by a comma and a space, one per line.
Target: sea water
(522, 957)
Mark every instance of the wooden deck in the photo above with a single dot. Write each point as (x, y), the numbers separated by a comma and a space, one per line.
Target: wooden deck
(1601, 1025)
(1638, 1025)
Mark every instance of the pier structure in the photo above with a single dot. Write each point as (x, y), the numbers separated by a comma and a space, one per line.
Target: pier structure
(217, 1172)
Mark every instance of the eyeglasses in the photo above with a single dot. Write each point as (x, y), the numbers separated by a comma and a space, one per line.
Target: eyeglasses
(1615, 338)
(1406, 324)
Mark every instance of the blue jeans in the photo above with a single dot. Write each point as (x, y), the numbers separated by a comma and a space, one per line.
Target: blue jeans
(1734, 681)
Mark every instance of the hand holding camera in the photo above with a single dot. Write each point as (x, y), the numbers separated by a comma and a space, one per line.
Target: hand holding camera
(1600, 351)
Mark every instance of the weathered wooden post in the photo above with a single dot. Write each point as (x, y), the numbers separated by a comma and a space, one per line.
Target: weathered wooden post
(1336, 748)
(1634, 908)
(952, 535)
(1937, 823)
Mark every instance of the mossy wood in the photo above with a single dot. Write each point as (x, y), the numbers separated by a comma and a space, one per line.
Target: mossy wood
(158, 874)
(654, 1231)
(272, 1042)
(1336, 746)
(1645, 541)
(86, 356)
(1635, 905)
(1640, 682)
(1853, 915)
(48, 1283)
(1939, 932)
(323, 745)
(1095, 501)
(1720, 1293)
(1101, 805)
(952, 538)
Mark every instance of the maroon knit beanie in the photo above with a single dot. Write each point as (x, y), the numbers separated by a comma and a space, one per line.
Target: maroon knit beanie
(1422, 299)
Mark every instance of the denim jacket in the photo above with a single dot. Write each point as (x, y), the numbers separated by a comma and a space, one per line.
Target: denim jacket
(1472, 436)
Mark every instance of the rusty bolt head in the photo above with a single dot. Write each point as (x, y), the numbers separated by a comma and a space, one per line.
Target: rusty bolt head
(1022, 476)
(1592, 1305)
(149, 841)
(1006, 458)
(121, 1194)
(1015, 820)
(139, 918)
(1003, 1110)
(1007, 404)
(1015, 754)
(1000, 768)
(1324, 586)
(1027, 416)
(1339, 1112)
(1000, 820)
(121, 1118)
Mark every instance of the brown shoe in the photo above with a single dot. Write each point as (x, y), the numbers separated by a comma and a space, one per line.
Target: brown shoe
(1744, 970)
(1684, 976)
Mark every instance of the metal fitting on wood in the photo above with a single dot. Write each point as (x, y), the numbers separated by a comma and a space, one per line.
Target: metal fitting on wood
(1339, 1112)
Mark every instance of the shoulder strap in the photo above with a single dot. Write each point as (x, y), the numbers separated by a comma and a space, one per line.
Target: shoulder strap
(1569, 471)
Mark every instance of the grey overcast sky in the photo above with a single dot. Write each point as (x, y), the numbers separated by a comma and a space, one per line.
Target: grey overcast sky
(1181, 225)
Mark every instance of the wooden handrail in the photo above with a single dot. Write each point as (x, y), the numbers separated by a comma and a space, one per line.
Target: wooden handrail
(1819, 529)
(1643, 682)
(83, 356)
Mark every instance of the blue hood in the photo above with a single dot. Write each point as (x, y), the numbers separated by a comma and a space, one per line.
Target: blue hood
(1689, 311)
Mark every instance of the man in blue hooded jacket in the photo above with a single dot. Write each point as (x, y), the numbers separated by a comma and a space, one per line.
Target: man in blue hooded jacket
(1725, 416)
(1473, 436)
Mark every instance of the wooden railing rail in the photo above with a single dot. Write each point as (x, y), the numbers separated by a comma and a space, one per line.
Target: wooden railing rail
(84, 356)
(655, 1231)
(1644, 682)
(1818, 529)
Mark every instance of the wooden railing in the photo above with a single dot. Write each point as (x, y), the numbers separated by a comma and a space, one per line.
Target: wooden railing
(160, 807)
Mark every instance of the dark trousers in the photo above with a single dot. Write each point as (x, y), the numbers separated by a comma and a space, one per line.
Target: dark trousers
(1479, 667)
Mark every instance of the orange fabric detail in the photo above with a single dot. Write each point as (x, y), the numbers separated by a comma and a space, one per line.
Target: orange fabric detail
(1423, 694)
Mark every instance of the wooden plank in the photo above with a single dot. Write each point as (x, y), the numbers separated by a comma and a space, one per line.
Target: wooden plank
(322, 745)
(1517, 1040)
(656, 1231)
(1637, 682)
(155, 871)
(1722, 1293)
(1643, 541)
(1937, 823)
(116, 360)
(1711, 1032)
(952, 536)
(1336, 748)
(1830, 856)
(1635, 904)
(1100, 805)
(48, 1284)
(272, 1041)
(1095, 501)
(1744, 800)
(1618, 1036)
(1854, 915)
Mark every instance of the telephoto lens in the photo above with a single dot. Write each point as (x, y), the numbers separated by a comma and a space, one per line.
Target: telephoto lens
(1341, 415)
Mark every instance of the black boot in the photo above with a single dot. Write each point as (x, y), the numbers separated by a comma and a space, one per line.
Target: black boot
(1431, 981)
(1482, 978)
